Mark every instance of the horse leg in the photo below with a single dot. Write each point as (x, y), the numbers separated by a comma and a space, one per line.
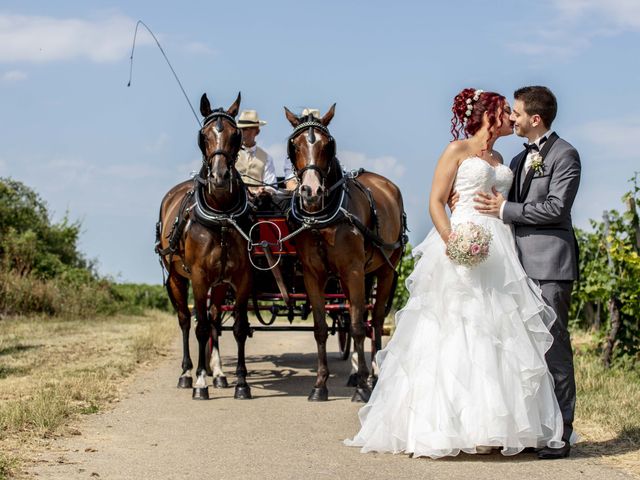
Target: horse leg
(178, 290)
(353, 375)
(315, 285)
(215, 362)
(384, 290)
(241, 332)
(353, 284)
(203, 334)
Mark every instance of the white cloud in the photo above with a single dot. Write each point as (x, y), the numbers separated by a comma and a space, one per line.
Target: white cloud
(199, 48)
(38, 39)
(386, 165)
(158, 145)
(575, 24)
(609, 157)
(620, 14)
(615, 137)
(13, 76)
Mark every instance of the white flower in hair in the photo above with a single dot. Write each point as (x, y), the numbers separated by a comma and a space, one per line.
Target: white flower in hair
(471, 101)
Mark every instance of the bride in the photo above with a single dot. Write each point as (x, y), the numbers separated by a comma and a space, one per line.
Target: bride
(465, 369)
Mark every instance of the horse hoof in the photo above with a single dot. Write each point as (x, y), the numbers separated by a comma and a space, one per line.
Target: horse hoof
(320, 394)
(243, 392)
(185, 382)
(361, 395)
(220, 382)
(200, 393)
(353, 380)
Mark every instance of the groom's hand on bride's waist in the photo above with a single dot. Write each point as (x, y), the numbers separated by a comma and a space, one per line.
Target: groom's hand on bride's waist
(489, 203)
(453, 199)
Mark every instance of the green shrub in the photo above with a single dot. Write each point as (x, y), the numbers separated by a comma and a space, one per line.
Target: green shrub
(29, 241)
(610, 275)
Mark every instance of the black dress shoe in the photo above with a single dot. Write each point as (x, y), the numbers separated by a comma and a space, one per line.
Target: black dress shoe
(530, 450)
(554, 453)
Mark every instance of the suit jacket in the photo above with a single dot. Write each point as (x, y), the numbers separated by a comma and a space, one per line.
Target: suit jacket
(539, 208)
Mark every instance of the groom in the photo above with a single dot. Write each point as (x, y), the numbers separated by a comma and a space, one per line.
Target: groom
(546, 180)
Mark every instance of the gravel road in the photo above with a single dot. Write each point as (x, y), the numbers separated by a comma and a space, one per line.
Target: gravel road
(158, 432)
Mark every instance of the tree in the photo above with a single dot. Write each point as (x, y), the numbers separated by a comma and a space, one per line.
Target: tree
(29, 241)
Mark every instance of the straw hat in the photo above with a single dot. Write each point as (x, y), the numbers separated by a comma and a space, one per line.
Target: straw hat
(249, 118)
(311, 111)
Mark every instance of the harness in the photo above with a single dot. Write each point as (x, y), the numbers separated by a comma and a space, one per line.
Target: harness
(337, 211)
(194, 205)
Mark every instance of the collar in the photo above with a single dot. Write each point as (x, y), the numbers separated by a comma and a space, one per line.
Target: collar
(251, 150)
(545, 135)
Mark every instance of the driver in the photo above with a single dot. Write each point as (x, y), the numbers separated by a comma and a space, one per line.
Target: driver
(254, 164)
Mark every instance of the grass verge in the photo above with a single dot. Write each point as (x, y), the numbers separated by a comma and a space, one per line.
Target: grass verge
(607, 413)
(53, 370)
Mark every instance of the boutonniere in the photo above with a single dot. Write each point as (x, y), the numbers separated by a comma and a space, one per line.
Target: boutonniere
(537, 163)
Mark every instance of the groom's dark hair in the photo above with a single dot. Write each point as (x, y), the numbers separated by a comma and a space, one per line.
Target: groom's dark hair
(538, 101)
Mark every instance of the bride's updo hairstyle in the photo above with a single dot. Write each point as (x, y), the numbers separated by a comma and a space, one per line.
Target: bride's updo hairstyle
(468, 108)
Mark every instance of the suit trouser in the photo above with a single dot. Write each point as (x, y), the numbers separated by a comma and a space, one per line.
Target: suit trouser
(557, 294)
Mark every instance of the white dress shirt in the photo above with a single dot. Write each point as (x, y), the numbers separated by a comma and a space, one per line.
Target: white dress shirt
(269, 176)
(528, 161)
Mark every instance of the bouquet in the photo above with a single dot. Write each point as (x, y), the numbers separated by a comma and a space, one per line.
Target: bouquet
(468, 244)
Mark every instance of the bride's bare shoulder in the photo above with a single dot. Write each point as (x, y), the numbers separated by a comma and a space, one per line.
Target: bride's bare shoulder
(456, 151)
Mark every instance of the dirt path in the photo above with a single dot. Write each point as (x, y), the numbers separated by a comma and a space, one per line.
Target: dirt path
(158, 432)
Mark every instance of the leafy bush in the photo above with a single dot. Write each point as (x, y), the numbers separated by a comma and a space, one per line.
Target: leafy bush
(29, 241)
(607, 296)
(404, 270)
(142, 296)
(42, 270)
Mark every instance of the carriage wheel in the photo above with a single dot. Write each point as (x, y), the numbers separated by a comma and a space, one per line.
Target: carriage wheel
(344, 336)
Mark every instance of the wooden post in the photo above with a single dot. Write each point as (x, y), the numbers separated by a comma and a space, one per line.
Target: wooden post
(631, 205)
(614, 310)
(614, 316)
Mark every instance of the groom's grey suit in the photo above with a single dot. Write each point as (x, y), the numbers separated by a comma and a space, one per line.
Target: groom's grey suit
(539, 208)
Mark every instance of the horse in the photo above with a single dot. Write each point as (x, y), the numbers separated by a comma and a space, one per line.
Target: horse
(352, 225)
(200, 239)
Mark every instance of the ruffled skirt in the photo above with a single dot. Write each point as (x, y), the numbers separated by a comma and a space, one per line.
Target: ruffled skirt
(466, 364)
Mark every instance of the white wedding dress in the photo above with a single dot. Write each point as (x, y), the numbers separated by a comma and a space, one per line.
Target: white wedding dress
(465, 366)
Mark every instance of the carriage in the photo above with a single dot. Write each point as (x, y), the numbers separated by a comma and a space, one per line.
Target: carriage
(278, 286)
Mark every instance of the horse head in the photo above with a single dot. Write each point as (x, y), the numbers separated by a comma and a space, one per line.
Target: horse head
(219, 140)
(312, 150)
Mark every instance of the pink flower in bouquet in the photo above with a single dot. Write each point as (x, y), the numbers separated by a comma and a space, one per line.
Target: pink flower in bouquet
(468, 244)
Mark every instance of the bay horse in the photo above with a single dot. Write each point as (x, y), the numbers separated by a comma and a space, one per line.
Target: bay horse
(355, 229)
(199, 240)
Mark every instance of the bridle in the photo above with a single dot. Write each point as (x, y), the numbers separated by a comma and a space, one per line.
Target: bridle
(218, 116)
(311, 125)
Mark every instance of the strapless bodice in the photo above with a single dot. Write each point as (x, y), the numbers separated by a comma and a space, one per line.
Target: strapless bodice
(474, 175)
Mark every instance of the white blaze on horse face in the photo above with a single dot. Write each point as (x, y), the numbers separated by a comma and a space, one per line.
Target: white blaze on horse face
(311, 178)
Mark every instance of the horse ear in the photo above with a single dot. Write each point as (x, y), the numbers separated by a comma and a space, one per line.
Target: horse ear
(293, 119)
(329, 115)
(235, 106)
(205, 106)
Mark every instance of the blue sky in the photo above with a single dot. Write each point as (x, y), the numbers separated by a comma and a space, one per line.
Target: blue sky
(105, 153)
